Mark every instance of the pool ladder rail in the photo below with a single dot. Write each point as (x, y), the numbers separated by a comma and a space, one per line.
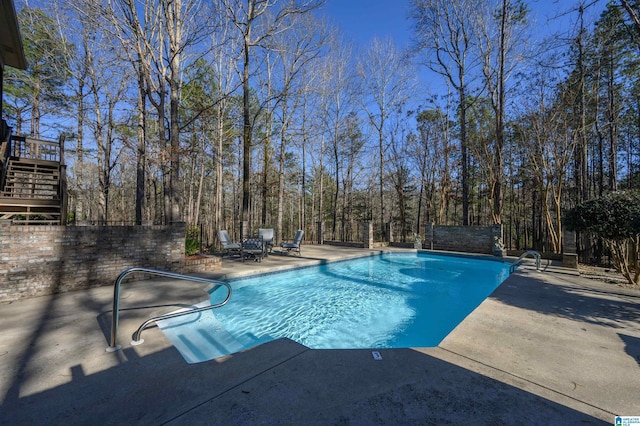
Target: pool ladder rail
(522, 257)
(136, 340)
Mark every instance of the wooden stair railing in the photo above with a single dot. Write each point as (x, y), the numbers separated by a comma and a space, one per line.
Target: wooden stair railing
(33, 190)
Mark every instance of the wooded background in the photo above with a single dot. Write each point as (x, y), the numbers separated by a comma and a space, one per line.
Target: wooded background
(214, 112)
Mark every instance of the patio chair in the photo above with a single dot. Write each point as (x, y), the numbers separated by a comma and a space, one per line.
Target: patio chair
(295, 244)
(254, 248)
(228, 246)
(267, 237)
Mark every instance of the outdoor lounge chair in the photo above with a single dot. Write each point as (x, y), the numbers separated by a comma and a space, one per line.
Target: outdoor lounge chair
(295, 244)
(267, 237)
(228, 246)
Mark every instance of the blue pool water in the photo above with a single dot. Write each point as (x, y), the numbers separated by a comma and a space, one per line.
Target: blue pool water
(394, 300)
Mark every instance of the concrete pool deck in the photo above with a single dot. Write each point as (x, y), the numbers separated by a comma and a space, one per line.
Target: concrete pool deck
(545, 348)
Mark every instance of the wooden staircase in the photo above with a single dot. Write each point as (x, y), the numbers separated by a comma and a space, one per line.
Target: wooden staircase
(33, 182)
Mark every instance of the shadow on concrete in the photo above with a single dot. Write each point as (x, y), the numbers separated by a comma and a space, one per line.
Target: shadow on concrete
(105, 318)
(631, 346)
(42, 319)
(284, 383)
(281, 381)
(591, 305)
(55, 312)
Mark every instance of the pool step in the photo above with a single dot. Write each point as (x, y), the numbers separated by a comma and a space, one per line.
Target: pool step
(201, 337)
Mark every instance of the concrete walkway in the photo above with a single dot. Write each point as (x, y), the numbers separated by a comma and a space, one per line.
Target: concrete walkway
(545, 348)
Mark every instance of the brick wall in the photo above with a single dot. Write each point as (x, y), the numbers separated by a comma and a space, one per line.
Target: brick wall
(471, 239)
(40, 260)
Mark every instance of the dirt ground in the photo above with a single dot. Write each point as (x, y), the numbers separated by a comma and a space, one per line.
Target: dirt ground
(606, 275)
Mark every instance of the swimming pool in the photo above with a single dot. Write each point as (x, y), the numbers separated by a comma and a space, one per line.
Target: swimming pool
(392, 300)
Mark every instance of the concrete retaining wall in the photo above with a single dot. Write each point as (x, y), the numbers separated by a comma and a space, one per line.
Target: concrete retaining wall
(40, 260)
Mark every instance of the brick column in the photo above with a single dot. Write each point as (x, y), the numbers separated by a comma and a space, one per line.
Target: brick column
(569, 242)
(320, 227)
(244, 229)
(367, 234)
(388, 232)
(569, 250)
(428, 236)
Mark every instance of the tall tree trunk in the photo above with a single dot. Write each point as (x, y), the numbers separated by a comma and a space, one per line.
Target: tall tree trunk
(613, 129)
(582, 151)
(337, 185)
(464, 151)
(303, 178)
(496, 194)
(321, 183)
(281, 172)
(218, 208)
(265, 171)
(174, 30)
(98, 135)
(80, 207)
(246, 128)
(107, 157)
(141, 147)
(381, 168)
(35, 111)
(196, 218)
(581, 175)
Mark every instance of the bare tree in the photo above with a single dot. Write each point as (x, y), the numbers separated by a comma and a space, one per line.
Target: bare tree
(387, 83)
(431, 152)
(225, 49)
(443, 32)
(137, 39)
(308, 132)
(545, 137)
(155, 35)
(102, 79)
(75, 21)
(350, 165)
(297, 49)
(256, 21)
(401, 174)
(502, 21)
(337, 90)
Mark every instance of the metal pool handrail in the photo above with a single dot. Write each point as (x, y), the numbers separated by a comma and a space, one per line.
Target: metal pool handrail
(136, 336)
(533, 253)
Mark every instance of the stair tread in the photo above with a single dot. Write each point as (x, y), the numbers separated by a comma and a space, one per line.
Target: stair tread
(31, 192)
(24, 201)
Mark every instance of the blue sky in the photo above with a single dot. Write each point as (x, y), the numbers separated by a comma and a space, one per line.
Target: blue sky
(361, 20)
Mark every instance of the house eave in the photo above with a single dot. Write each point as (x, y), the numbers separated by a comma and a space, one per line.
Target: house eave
(11, 50)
